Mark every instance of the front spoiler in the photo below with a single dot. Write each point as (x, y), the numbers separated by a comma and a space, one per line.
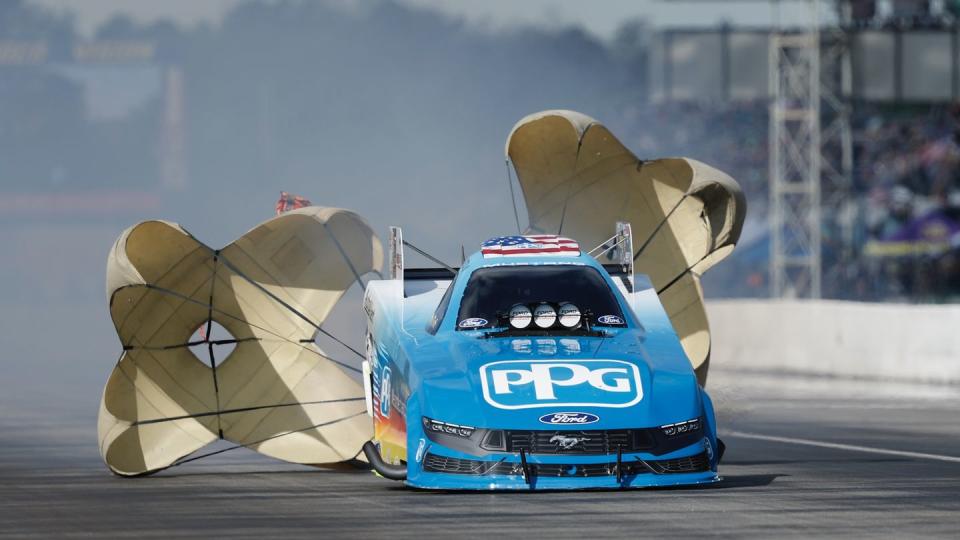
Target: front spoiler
(441, 481)
(434, 470)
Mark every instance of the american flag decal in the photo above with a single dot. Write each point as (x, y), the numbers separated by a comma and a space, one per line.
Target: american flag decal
(530, 246)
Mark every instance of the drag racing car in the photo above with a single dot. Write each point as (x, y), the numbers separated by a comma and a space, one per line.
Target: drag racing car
(533, 366)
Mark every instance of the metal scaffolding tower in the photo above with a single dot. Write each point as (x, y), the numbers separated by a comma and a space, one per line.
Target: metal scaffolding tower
(811, 150)
(836, 142)
(795, 160)
(811, 147)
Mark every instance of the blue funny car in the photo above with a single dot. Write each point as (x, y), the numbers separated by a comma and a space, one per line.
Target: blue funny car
(533, 366)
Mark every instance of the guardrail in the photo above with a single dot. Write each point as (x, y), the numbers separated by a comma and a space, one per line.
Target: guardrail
(850, 339)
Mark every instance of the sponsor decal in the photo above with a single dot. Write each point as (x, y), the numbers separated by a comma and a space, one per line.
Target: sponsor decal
(547, 347)
(521, 346)
(371, 351)
(570, 346)
(368, 307)
(398, 404)
(473, 322)
(610, 319)
(420, 450)
(525, 384)
(385, 392)
(574, 418)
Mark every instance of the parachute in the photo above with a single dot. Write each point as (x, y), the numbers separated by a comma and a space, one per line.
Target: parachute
(578, 180)
(276, 392)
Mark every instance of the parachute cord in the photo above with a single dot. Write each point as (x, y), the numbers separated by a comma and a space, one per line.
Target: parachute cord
(659, 226)
(341, 342)
(213, 283)
(566, 200)
(189, 344)
(346, 258)
(216, 386)
(513, 198)
(431, 257)
(576, 163)
(213, 360)
(681, 274)
(270, 438)
(274, 297)
(242, 409)
(272, 333)
(294, 311)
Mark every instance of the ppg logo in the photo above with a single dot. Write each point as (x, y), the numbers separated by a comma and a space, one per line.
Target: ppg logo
(526, 384)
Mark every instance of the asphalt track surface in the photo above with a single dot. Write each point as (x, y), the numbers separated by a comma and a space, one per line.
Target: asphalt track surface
(805, 457)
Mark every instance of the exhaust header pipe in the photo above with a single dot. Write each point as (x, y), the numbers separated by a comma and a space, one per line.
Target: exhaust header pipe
(393, 472)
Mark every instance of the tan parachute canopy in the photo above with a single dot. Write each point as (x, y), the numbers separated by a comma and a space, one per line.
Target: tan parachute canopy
(579, 180)
(272, 289)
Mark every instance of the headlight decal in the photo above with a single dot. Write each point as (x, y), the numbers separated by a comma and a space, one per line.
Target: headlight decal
(680, 428)
(437, 426)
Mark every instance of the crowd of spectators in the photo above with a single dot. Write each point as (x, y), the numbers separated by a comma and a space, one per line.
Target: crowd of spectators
(894, 234)
(902, 13)
(907, 179)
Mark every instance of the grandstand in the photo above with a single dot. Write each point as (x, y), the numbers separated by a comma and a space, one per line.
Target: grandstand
(885, 126)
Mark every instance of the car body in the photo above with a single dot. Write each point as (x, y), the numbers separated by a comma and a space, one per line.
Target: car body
(465, 401)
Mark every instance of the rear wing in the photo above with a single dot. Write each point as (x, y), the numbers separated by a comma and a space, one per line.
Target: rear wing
(618, 251)
(432, 274)
(415, 280)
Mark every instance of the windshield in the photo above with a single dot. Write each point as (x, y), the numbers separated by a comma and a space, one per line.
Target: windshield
(492, 291)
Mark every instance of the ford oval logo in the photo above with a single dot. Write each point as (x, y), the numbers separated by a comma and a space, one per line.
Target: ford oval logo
(475, 322)
(610, 319)
(569, 418)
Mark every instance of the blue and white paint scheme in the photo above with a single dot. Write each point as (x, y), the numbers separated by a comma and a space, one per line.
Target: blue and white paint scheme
(484, 406)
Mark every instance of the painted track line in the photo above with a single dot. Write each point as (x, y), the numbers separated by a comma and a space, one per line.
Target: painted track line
(839, 446)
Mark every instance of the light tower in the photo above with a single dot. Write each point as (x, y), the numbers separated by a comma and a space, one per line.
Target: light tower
(795, 160)
(811, 148)
(810, 142)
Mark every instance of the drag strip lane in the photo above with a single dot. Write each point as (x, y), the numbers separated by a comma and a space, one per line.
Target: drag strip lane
(840, 446)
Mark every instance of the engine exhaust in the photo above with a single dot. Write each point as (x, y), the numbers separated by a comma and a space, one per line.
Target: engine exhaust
(392, 472)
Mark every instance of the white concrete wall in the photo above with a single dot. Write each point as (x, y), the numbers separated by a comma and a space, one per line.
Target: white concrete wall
(887, 341)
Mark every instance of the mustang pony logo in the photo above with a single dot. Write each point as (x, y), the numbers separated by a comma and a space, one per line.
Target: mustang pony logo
(567, 443)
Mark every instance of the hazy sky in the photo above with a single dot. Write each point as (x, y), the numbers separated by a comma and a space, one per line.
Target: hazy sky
(601, 17)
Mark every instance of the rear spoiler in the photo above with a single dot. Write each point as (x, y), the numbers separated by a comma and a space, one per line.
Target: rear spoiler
(621, 251)
(432, 274)
(619, 248)
(397, 270)
(616, 270)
